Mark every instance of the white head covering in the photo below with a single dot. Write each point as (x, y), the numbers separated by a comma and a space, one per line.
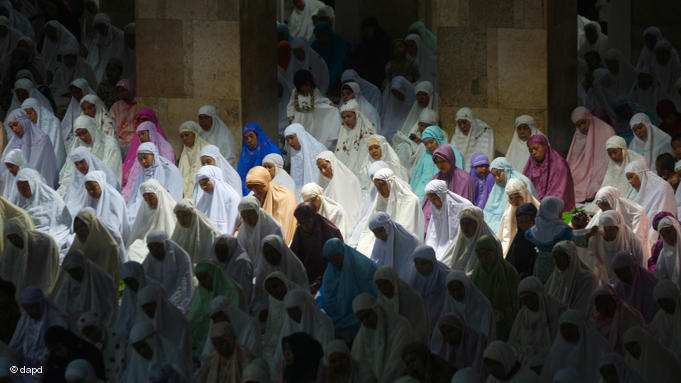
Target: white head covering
(480, 138)
(313, 62)
(103, 147)
(665, 326)
(174, 273)
(148, 219)
(230, 175)
(250, 237)
(475, 308)
(343, 188)
(396, 250)
(395, 111)
(655, 194)
(238, 265)
(369, 202)
(245, 327)
(280, 176)
(517, 153)
(460, 255)
(300, 21)
(104, 121)
(368, 109)
(329, 208)
(508, 227)
(352, 142)
(412, 120)
(73, 110)
(127, 312)
(110, 207)
(100, 245)
(425, 58)
(221, 205)
(49, 124)
(276, 314)
(198, 237)
(634, 215)
(656, 363)
(574, 285)
(369, 91)
(51, 48)
(190, 159)
(615, 175)
(443, 227)
(219, 134)
(303, 161)
(656, 143)
(9, 185)
(388, 155)
(33, 92)
(103, 48)
(167, 358)
(669, 261)
(504, 353)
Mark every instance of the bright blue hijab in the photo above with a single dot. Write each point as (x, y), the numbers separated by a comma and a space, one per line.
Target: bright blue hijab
(253, 157)
(425, 168)
(340, 287)
(498, 200)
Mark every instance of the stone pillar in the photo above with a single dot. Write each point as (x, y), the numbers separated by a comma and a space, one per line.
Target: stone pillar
(507, 58)
(218, 52)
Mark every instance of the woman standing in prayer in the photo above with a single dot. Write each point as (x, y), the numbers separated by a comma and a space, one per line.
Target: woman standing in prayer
(352, 146)
(156, 135)
(46, 208)
(277, 286)
(303, 152)
(458, 343)
(150, 348)
(458, 181)
(498, 280)
(221, 310)
(517, 153)
(274, 163)
(397, 99)
(500, 360)
(587, 160)
(216, 199)
(93, 106)
(72, 67)
(30, 258)
(351, 90)
(190, 159)
(340, 184)
(669, 261)
(14, 161)
(156, 213)
(429, 279)
(410, 149)
(34, 143)
(311, 234)
(228, 361)
(216, 132)
(635, 285)
(327, 208)
(112, 344)
(518, 194)
(305, 58)
(649, 141)
(9, 210)
(146, 132)
(300, 21)
(460, 254)
(426, 168)
(25, 88)
(467, 300)
(49, 124)
(213, 282)
(425, 58)
(256, 224)
(108, 205)
(333, 48)
(620, 157)
(394, 245)
(549, 172)
(482, 179)
(536, 325)
(369, 91)
(155, 167)
(276, 257)
(380, 150)
(342, 367)
(645, 355)
(85, 287)
(305, 359)
(649, 190)
(274, 199)
(194, 232)
(396, 199)
(424, 98)
(571, 281)
(123, 112)
(503, 171)
(633, 214)
(472, 135)
(135, 279)
(257, 146)
(522, 253)
(612, 317)
(401, 64)
(234, 261)
(39, 314)
(311, 109)
(666, 325)
(102, 146)
(443, 226)
(397, 295)
(107, 44)
(548, 230)
(348, 274)
(96, 242)
(210, 155)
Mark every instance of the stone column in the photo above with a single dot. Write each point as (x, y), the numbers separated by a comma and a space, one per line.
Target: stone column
(507, 58)
(218, 52)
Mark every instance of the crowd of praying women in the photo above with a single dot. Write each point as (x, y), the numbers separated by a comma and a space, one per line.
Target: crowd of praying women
(362, 243)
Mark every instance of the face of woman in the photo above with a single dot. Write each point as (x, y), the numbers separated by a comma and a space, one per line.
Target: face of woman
(375, 151)
(524, 132)
(422, 98)
(84, 136)
(93, 189)
(208, 160)
(634, 180)
(32, 115)
(205, 121)
(434, 200)
(88, 109)
(145, 159)
(430, 144)
(151, 199)
(468, 227)
(382, 187)
(537, 152)
(187, 138)
(76, 92)
(442, 165)
(516, 199)
(583, 125)
(616, 154)
(12, 168)
(144, 136)
(259, 191)
(464, 126)
(325, 168)
(668, 235)
(293, 142)
(347, 94)
(349, 119)
(641, 131)
(206, 185)
(270, 168)
(24, 189)
(16, 128)
(251, 140)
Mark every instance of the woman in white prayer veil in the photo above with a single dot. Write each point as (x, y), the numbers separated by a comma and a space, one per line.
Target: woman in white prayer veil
(518, 194)
(311, 109)
(14, 161)
(620, 157)
(649, 140)
(460, 255)
(107, 43)
(368, 90)
(446, 206)
(668, 264)
(165, 358)
(245, 326)
(394, 245)
(426, 59)
(93, 106)
(340, 184)
(635, 217)
(49, 124)
(666, 325)
(85, 288)
(72, 67)
(303, 57)
(170, 265)
(349, 371)
(472, 135)
(30, 258)
(105, 148)
(215, 131)
(327, 207)
(78, 88)
(210, 155)
(108, 204)
(592, 40)
(368, 206)
(394, 197)
(379, 150)
(194, 232)
(352, 91)
(618, 237)
(274, 163)
(56, 37)
(159, 168)
(256, 224)
(216, 199)
(96, 242)
(228, 253)
(424, 98)
(517, 153)
(277, 286)
(132, 274)
(397, 295)
(156, 213)
(410, 150)
(352, 147)
(46, 208)
(653, 362)
(303, 151)
(571, 282)
(28, 90)
(300, 21)
(397, 99)
(649, 190)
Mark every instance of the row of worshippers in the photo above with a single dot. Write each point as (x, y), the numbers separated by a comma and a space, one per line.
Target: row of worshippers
(488, 323)
(45, 56)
